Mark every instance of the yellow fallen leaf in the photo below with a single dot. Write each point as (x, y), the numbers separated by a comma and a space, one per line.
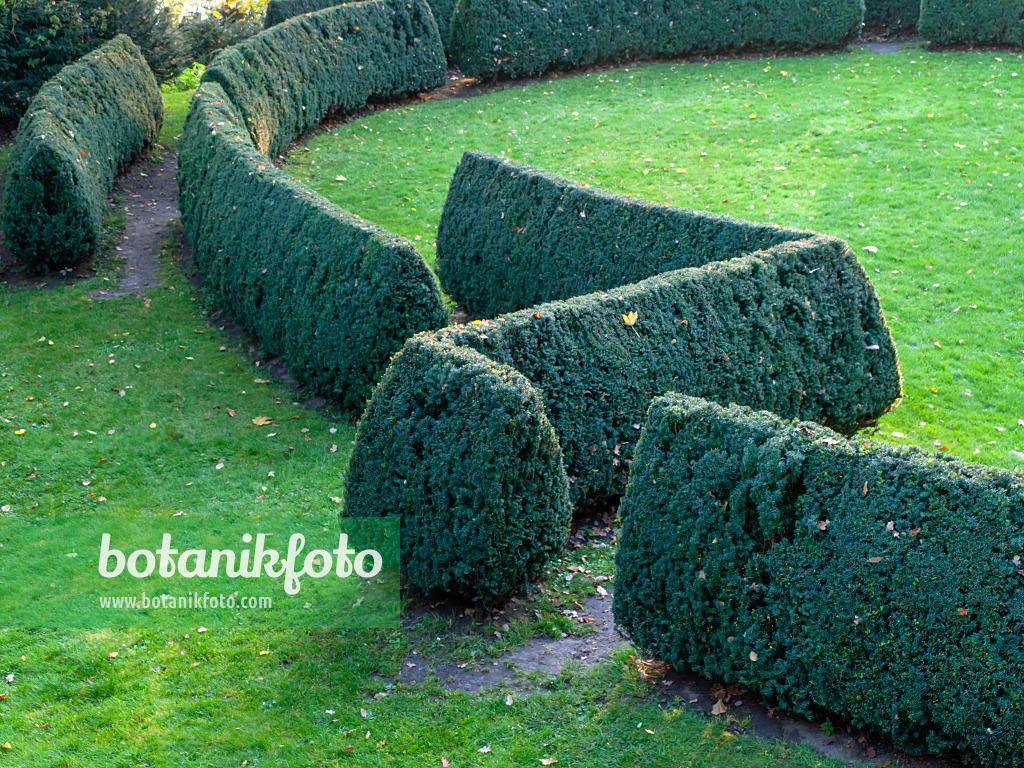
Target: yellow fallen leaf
(262, 421)
(19, 431)
(264, 653)
(152, 425)
(6, 745)
(630, 319)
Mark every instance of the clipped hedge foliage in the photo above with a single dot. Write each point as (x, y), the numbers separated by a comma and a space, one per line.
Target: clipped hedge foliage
(284, 80)
(83, 125)
(897, 15)
(512, 236)
(879, 583)
(279, 11)
(333, 295)
(796, 329)
(983, 22)
(461, 449)
(510, 38)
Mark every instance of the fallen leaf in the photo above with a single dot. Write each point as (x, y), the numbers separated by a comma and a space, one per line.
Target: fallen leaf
(548, 760)
(261, 381)
(508, 700)
(753, 656)
(112, 655)
(962, 611)
(364, 713)
(484, 750)
(630, 319)
(874, 559)
(444, 762)
(262, 421)
(719, 708)
(231, 412)
(264, 653)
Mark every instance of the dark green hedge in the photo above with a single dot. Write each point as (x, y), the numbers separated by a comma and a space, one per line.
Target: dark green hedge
(510, 38)
(84, 124)
(983, 22)
(285, 79)
(878, 583)
(512, 236)
(897, 15)
(461, 449)
(795, 329)
(282, 10)
(332, 294)
(335, 296)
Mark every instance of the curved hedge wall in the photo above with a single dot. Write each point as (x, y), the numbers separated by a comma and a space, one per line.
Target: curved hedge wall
(879, 583)
(279, 11)
(460, 447)
(510, 38)
(83, 125)
(512, 236)
(795, 329)
(983, 22)
(333, 295)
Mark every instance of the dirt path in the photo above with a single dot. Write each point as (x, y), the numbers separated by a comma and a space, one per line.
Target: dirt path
(741, 710)
(151, 205)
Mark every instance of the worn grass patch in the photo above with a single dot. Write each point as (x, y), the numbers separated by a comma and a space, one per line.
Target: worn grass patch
(914, 158)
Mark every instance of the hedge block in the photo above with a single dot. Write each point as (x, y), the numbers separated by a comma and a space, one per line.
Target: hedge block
(795, 329)
(512, 236)
(882, 584)
(83, 125)
(511, 38)
(982, 22)
(335, 296)
(461, 449)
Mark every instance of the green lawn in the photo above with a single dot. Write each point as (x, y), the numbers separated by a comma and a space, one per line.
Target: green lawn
(913, 158)
(142, 407)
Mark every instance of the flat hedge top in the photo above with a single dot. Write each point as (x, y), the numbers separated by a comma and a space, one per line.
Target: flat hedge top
(512, 236)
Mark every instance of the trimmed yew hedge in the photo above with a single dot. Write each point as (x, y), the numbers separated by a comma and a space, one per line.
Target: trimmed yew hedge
(795, 329)
(983, 22)
(279, 11)
(460, 447)
(284, 80)
(511, 38)
(897, 15)
(883, 584)
(512, 236)
(335, 296)
(83, 125)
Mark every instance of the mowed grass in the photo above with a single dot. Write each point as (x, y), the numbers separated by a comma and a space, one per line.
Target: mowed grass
(913, 158)
(142, 406)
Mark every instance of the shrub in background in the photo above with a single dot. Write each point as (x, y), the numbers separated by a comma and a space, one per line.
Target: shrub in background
(39, 37)
(84, 124)
(883, 584)
(222, 26)
(461, 449)
(982, 22)
(335, 296)
(510, 38)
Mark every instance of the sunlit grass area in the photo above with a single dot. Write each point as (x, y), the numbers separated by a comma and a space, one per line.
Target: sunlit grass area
(913, 158)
